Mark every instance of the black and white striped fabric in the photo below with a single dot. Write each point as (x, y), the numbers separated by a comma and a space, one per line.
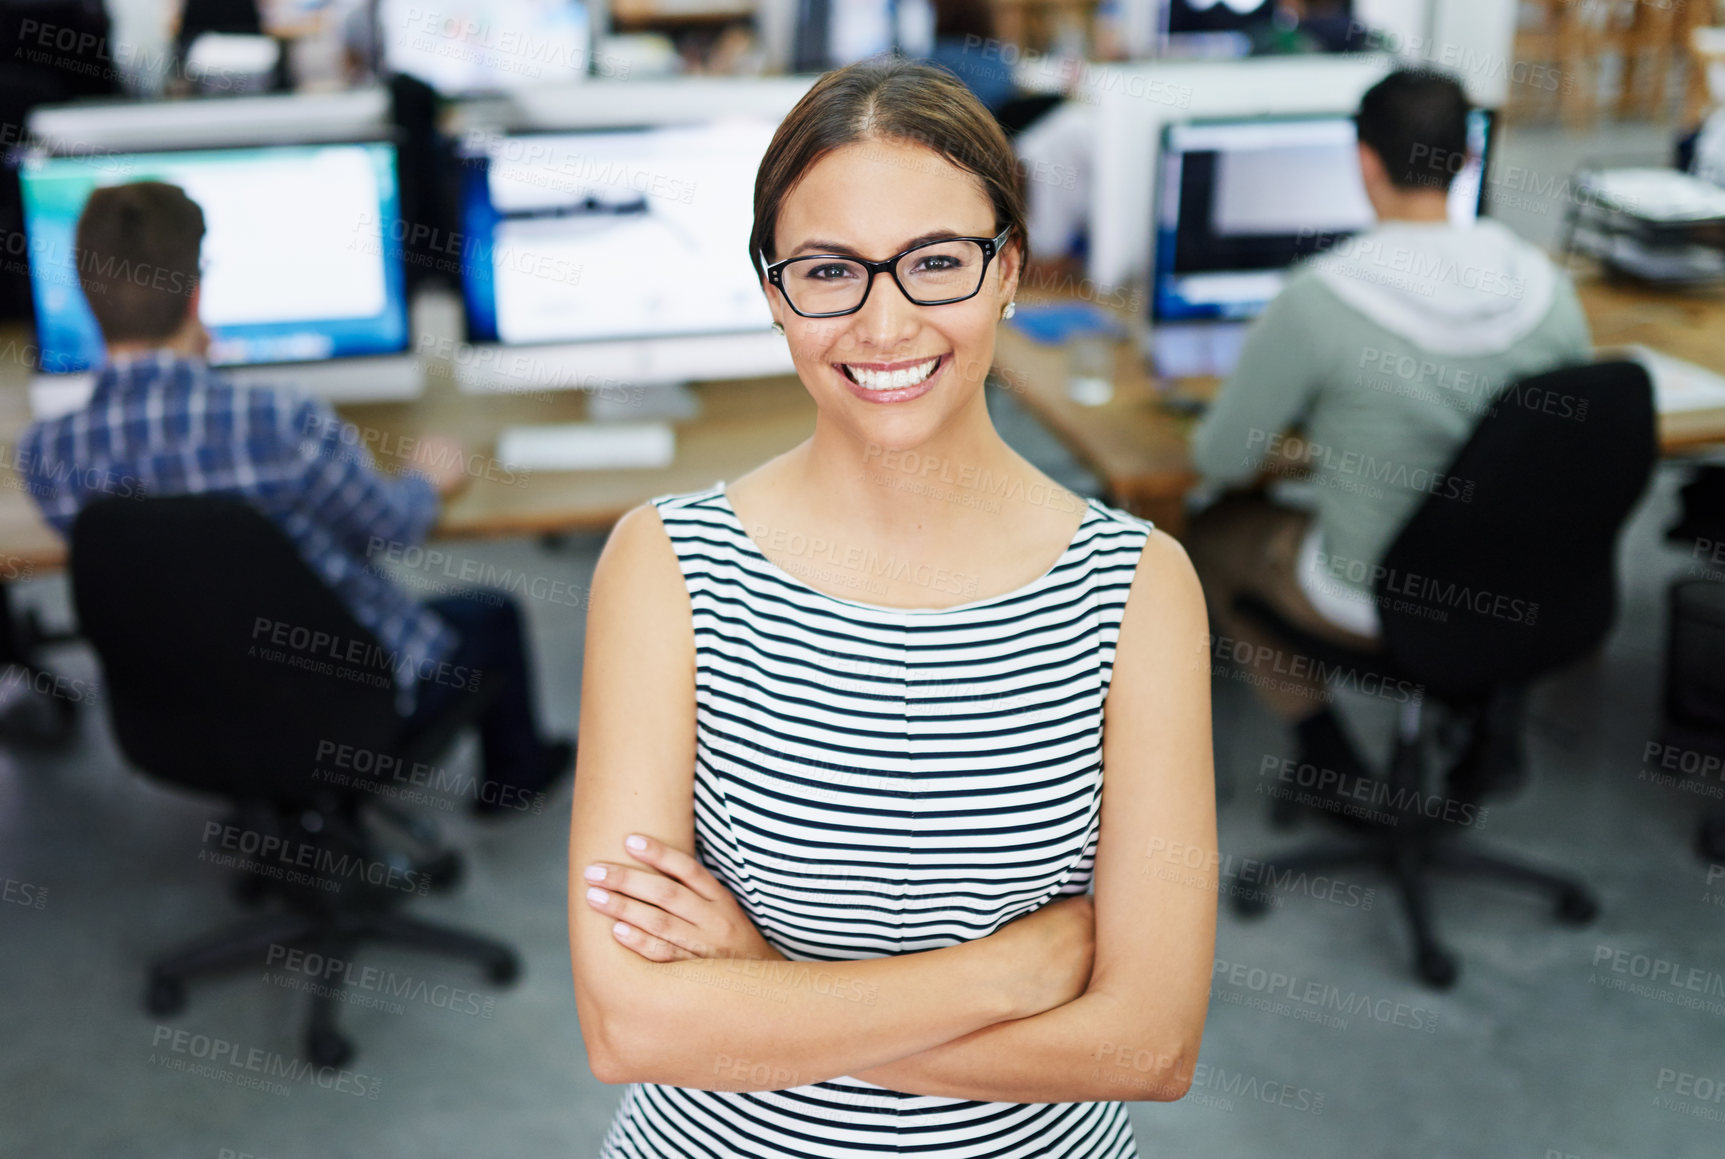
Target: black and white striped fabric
(873, 781)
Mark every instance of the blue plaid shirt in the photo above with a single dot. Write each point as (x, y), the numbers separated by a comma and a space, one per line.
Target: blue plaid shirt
(159, 424)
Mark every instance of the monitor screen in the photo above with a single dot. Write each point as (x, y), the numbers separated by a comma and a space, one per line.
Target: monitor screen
(1241, 201)
(301, 257)
(460, 47)
(830, 34)
(613, 233)
(1183, 16)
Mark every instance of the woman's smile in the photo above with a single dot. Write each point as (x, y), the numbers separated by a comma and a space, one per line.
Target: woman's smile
(901, 381)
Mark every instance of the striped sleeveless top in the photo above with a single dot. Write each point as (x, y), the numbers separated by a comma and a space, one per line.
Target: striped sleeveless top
(872, 781)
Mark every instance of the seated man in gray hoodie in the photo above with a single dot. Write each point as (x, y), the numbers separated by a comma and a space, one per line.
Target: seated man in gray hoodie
(1384, 349)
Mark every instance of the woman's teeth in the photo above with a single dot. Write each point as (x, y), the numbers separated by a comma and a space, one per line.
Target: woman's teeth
(891, 379)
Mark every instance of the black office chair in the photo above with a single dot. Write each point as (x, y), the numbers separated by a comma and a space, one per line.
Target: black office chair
(1550, 498)
(1694, 694)
(180, 597)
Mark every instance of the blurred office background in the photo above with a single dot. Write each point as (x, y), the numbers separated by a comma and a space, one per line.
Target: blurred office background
(416, 209)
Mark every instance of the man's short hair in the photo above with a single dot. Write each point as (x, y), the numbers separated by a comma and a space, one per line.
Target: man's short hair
(1415, 120)
(138, 258)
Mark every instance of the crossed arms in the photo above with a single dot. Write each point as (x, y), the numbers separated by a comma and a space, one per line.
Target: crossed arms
(1063, 1005)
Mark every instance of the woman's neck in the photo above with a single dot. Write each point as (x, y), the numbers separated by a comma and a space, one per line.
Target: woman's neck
(927, 492)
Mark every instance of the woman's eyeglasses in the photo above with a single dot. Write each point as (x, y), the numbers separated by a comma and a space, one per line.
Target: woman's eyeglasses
(932, 274)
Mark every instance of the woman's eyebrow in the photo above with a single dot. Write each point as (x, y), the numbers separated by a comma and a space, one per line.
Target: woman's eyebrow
(835, 247)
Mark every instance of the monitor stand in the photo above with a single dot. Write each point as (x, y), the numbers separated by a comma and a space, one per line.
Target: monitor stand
(643, 402)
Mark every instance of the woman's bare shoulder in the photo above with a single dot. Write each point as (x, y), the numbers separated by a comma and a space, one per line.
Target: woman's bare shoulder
(638, 559)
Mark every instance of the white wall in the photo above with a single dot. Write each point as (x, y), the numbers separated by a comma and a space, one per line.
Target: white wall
(1476, 40)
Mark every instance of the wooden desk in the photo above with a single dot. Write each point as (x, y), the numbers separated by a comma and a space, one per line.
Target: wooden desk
(1690, 326)
(1134, 444)
(742, 425)
(1138, 447)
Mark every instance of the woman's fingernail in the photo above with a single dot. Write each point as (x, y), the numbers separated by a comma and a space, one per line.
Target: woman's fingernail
(621, 929)
(635, 842)
(598, 896)
(594, 873)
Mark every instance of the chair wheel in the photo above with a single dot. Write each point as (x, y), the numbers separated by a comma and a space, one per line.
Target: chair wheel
(1284, 814)
(165, 996)
(443, 871)
(1252, 903)
(1437, 968)
(250, 891)
(327, 1048)
(1710, 840)
(504, 969)
(1576, 907)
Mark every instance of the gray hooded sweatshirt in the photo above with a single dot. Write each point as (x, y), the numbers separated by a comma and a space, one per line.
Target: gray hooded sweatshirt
(1385, 350)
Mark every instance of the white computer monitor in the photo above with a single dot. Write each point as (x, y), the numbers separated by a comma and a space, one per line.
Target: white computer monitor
(613, 233)
(1239, 201)
(607, 243)
(1212, 27)
(302, 280)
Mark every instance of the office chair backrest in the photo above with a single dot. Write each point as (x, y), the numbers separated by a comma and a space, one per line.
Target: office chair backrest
(228, 664)
(1508, 570)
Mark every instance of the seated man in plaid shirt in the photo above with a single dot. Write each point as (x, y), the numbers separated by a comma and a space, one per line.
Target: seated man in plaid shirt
(160, 417)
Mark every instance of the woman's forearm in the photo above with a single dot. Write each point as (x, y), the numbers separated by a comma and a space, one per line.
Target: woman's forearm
(1085, 1051)
(744, 1025)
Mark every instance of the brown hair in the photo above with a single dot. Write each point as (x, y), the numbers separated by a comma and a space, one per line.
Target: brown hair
(887, 99)
(138, 258)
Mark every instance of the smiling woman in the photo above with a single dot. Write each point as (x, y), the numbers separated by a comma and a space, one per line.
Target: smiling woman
(844, 877)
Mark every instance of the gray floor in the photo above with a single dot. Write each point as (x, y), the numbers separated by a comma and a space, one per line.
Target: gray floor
(1534, 1055)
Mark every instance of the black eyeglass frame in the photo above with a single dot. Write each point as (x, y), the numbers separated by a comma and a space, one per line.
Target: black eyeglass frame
(991, 246)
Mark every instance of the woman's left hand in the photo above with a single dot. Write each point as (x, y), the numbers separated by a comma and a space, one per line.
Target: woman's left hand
(674, 911)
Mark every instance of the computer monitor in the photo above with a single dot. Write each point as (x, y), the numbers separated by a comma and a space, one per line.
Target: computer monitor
(1222, 28)
(463, 47)
(1240, 201)
(620, 252)
(830, 34)
(301, 253)
(1188, 16)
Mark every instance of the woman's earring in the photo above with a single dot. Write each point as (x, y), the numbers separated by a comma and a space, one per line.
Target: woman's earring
(779, 329)
(1011, 309)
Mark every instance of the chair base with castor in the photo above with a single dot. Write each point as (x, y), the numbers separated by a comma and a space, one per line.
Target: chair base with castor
(1410, 849)
(171, 591)
(1481, 592)
(1394, 830)
(330, 923)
